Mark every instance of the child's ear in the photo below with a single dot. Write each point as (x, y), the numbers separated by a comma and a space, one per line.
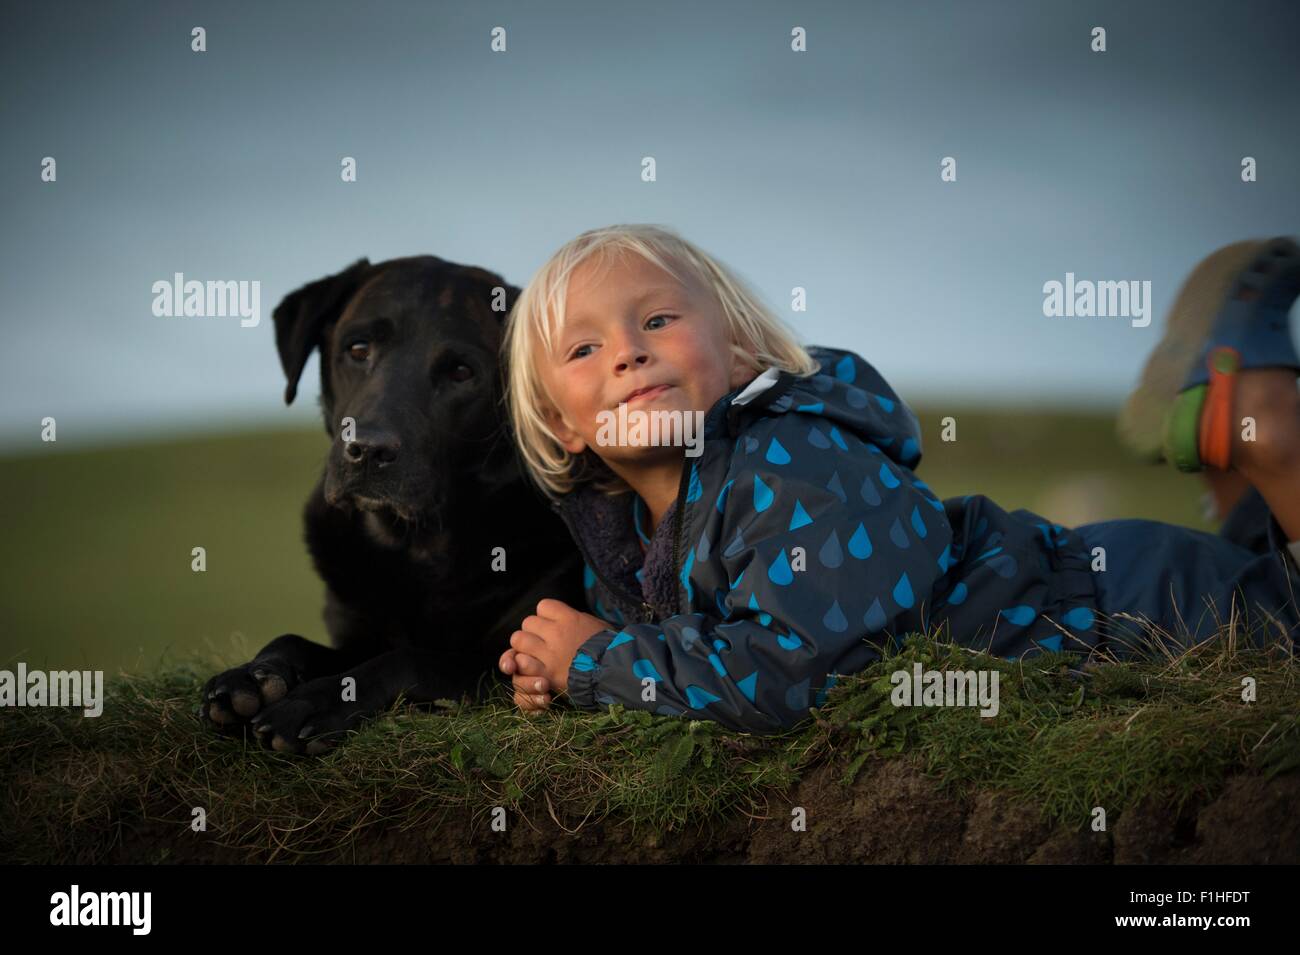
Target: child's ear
(569, 439)
(741, 373)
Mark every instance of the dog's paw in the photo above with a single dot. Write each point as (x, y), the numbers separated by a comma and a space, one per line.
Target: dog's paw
(230, 699)
(312, 719)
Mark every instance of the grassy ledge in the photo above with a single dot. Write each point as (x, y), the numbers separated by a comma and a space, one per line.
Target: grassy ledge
(1171, 727)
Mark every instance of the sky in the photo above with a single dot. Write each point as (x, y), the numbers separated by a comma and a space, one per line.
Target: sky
(817, 169)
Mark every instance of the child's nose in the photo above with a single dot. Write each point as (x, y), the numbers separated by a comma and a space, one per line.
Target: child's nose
(629, 357)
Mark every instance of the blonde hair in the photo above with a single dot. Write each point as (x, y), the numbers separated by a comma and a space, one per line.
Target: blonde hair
(758, 339)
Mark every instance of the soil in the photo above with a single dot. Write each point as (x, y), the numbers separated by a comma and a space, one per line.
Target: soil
(892, 813)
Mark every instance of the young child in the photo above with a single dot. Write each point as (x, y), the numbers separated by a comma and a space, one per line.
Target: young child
(735, 584)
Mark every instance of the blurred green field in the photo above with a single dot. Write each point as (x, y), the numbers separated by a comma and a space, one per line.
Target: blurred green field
(96, 563)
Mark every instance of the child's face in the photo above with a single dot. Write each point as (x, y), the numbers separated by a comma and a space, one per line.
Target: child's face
(627, 329)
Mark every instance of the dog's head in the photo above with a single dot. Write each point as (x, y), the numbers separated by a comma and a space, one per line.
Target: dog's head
(409, 353)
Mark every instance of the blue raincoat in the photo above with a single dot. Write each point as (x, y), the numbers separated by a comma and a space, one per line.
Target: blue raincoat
(802, 540)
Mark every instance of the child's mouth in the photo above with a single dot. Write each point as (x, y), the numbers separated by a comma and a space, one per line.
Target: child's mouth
(648, 393)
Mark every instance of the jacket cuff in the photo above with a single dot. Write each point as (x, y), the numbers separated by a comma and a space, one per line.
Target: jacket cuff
(585, 669)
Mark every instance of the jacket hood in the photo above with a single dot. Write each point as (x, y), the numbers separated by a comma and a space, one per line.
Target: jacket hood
(853, 397)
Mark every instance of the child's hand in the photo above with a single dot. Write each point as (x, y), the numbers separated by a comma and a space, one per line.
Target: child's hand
(552, 637)
(531, 688)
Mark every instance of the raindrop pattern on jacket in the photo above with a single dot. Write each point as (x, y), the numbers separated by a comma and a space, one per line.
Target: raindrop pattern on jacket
(807, 542)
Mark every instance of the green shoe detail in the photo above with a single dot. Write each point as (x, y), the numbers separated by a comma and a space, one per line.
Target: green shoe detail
(1225, 361)
(1182, 429)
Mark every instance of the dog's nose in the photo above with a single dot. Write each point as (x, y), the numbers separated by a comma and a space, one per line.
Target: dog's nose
(379, 448)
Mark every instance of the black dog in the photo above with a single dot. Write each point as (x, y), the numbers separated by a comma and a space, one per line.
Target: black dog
(422, 485)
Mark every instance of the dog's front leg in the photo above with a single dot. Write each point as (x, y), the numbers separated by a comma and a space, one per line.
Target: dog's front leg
(316, 715)
(232, 698)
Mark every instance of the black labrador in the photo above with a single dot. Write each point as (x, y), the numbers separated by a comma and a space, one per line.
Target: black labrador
(432, 543)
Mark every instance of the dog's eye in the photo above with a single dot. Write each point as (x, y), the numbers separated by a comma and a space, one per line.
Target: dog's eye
(462, 373)
(359, 350)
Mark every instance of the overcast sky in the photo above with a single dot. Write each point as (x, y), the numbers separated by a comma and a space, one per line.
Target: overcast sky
(818, 169)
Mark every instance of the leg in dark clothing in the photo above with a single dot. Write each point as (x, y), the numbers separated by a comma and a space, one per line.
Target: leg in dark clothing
(1189, 583)
(1247, 523)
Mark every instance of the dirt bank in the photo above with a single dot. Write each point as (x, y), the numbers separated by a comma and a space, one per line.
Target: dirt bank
(892, 813)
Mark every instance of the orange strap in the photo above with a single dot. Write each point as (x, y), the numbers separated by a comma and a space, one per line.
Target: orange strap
(1215, 437)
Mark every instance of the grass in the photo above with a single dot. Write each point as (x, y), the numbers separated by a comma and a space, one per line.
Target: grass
(96, 572)
(1173, 726)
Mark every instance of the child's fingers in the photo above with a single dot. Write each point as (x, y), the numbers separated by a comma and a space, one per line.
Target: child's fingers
(535, 626)
(507, 663)
(531, 684)
(532, 702)
(526, 642)
(528, 665)
(553, 609)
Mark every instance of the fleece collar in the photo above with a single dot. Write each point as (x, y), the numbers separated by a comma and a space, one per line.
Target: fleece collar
(602, 524)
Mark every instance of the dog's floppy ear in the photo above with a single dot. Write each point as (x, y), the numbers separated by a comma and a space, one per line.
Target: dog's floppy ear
(302, 316)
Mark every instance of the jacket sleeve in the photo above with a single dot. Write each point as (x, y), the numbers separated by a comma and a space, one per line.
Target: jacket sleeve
(816, 558)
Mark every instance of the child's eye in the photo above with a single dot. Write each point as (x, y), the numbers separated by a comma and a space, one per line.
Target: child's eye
(655, 318)
(577, 352)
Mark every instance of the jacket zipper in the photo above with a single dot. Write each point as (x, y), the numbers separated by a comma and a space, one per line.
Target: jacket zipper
(677, 531)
